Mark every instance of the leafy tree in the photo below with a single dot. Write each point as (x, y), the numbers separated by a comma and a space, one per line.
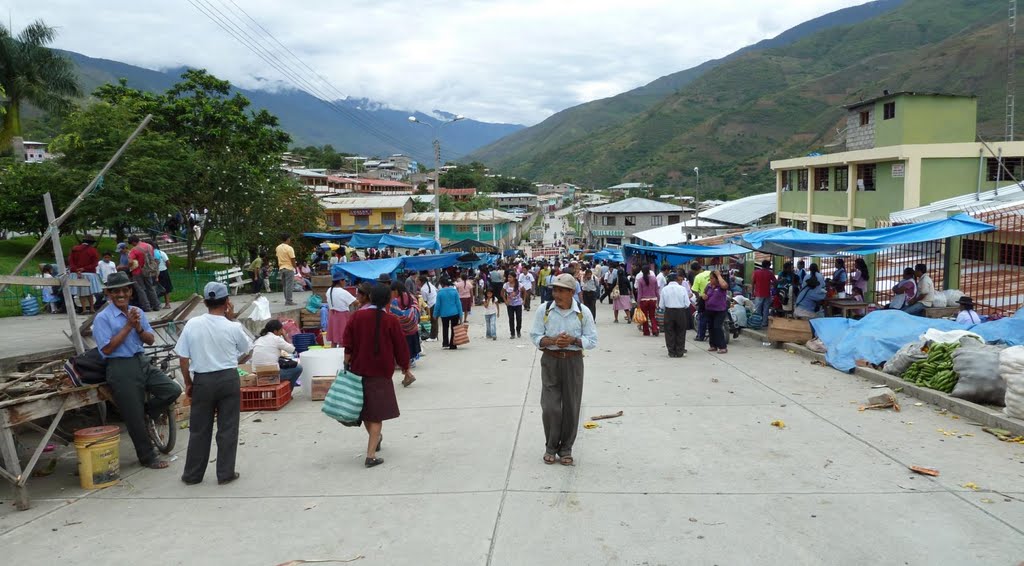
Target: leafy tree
(30, 72)
(461, 178)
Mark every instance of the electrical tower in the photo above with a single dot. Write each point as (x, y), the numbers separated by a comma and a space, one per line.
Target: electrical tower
(1011, 68)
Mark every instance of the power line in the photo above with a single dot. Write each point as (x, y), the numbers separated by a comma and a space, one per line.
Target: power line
(297, 80)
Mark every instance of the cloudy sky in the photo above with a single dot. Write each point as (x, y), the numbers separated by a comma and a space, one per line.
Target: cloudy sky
(516, 61)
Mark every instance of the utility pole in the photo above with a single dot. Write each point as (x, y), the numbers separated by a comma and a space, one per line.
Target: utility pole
(1011, 68)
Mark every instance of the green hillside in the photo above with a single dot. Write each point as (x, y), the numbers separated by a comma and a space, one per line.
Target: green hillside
(786, 101)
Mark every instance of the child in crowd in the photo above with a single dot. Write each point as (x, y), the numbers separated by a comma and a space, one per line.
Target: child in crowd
(490, 314)
(52, 297)
(105, 267)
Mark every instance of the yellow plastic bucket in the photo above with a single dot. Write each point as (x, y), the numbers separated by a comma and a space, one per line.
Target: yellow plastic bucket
(99, 456)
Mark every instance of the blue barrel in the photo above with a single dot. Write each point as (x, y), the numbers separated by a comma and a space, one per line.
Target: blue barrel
(29, 306)
(303, 341)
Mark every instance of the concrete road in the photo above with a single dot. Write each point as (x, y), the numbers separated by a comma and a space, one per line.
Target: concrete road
(693, 473)
(557, 226)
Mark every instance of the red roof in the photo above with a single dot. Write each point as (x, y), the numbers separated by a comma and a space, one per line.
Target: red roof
(458, 192)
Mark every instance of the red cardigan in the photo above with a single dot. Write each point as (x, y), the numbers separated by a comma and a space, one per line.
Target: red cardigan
(84, 257)
(359, 340)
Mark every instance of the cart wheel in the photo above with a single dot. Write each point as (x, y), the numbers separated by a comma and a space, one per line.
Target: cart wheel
(163, 431)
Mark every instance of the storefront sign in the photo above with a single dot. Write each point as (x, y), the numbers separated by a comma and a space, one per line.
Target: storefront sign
(360, 212)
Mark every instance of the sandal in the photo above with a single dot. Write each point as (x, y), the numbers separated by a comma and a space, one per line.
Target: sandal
(723, 351)
(550, 459)
(567, 461)
(157, 464)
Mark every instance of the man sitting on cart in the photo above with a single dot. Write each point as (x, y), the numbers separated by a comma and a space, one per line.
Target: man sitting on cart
(121, 332)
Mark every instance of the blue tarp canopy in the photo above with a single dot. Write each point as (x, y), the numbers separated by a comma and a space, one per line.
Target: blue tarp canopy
(362, 241)
(485, 259)
(675, 255)
(793, 242)
(374, 268)
(609, 254)
(428, 262)
(878, 336)
(327, 236)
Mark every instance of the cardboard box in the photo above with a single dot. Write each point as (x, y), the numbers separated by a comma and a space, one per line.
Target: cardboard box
(789, 330)
(247, 380)
(321, 385)
(321, 280)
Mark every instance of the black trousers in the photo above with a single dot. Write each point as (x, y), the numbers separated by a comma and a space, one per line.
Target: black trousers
(715, 320)
(676, 323)
(130, 379)
(590, 301)
(433, 323)
(450, 322)
(213, 394)
(515, 320)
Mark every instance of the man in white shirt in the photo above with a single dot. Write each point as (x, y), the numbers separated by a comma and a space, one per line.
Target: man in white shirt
(526, 281)
(611, 277)
(663, 276)
(429, 293)
(676, 299)
(210, 347)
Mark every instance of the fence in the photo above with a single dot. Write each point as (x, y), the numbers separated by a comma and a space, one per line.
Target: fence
(992, 264)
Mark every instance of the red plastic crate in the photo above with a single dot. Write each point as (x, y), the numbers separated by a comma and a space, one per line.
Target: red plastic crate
(268, 398)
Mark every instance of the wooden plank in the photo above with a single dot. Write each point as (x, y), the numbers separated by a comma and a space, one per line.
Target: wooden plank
(49, 405)
(38, 281)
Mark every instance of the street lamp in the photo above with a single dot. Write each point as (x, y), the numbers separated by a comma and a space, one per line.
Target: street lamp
(437, 169)
(696, 199)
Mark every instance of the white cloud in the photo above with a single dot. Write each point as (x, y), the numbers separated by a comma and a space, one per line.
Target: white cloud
(500, 61)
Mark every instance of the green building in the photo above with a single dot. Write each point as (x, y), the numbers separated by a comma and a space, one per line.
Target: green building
(902, 151)
(490, 226)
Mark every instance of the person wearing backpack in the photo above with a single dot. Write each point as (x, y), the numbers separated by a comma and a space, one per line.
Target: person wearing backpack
(562, 329)
(144, 269)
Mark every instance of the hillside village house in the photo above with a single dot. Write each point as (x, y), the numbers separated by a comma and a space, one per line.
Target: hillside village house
(459, 195)
(615, 223)
(506, 201)
(491, 226)
(35, 152)
(903, 150)
(366, 213)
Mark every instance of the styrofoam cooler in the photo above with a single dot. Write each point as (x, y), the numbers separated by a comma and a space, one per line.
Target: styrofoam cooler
(319, 362)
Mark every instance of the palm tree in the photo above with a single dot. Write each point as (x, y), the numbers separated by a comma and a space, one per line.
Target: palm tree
(30, 72)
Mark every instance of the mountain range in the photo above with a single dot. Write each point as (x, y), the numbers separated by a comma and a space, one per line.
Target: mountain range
(782, 97)
(354, 125)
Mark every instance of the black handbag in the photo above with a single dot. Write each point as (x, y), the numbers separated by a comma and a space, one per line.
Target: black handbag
(287, 363)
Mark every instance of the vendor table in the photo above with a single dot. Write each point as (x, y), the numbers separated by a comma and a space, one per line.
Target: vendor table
(17, 412)
(844, 306)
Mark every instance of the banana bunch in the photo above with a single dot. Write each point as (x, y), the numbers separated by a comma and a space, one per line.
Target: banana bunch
(935, 371)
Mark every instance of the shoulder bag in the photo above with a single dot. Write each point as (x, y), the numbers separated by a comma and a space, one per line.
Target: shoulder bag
(344, 400)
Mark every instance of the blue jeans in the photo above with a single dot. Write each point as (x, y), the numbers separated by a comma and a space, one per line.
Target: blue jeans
(762, 306)
(291, 375)
(916, 309)
(491, 321)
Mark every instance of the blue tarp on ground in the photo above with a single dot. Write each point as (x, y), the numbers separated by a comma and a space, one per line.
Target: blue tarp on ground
(878, 336)
(793, 242)
(327, 236)
(362, 241)
(676, 255)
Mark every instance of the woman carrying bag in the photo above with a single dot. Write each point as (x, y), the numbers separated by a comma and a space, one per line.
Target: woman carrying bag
(716, 303)
(339, 303)
(374, 345)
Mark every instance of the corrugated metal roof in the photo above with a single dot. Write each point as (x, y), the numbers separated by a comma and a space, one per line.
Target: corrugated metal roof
(675, 233)
(622, 186)
(1010, 195)
(330, 203)
(467, 217)
(742, 212)
(636, 204)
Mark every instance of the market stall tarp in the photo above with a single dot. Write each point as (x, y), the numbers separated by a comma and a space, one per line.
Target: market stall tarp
(470, 245)
(327, 236)
(610, 254)
(793, 242)
(675, 255)
(362, 241)
(878, 336)
(484, 259)
(369, 269)
(428, 262)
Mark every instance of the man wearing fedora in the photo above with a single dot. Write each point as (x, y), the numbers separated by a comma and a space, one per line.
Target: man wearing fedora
(121, 332)
(562, 329)
(967, 315)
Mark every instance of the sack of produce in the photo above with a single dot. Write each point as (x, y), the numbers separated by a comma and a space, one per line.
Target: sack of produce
(1011, 369)
(901, 360)
(977, 369)
(935, 371)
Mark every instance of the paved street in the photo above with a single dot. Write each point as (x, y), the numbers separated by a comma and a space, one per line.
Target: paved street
(693, 473)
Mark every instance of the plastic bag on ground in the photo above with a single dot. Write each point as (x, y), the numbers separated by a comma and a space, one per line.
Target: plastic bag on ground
(977, 368)
(904, 357)
(260, 309)
(952, 296)
(816, 345)
(1011, 370)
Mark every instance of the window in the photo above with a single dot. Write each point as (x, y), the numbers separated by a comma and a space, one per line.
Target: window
(973, 249)
(362, 221)
(837, 229)
(800, 224)
(630, 221)
(842, 178)
(463, 228)
(387, 218)
(607, 221)
(486, 228)
(865, 118)
(866, 177)
(673, 219)
(334, 219)
(801, 180)
(821, 179)
(1015, 165)
(1011, 254)
(785, 223)
(820, 228)
(889, 111)
(657, 220)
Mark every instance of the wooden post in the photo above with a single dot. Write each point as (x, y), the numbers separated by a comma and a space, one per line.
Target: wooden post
(58, 252)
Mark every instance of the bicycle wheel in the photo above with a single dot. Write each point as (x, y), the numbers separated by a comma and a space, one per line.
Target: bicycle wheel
(163, 431)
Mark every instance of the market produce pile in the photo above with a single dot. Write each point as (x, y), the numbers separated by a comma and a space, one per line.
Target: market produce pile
(935, 371)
